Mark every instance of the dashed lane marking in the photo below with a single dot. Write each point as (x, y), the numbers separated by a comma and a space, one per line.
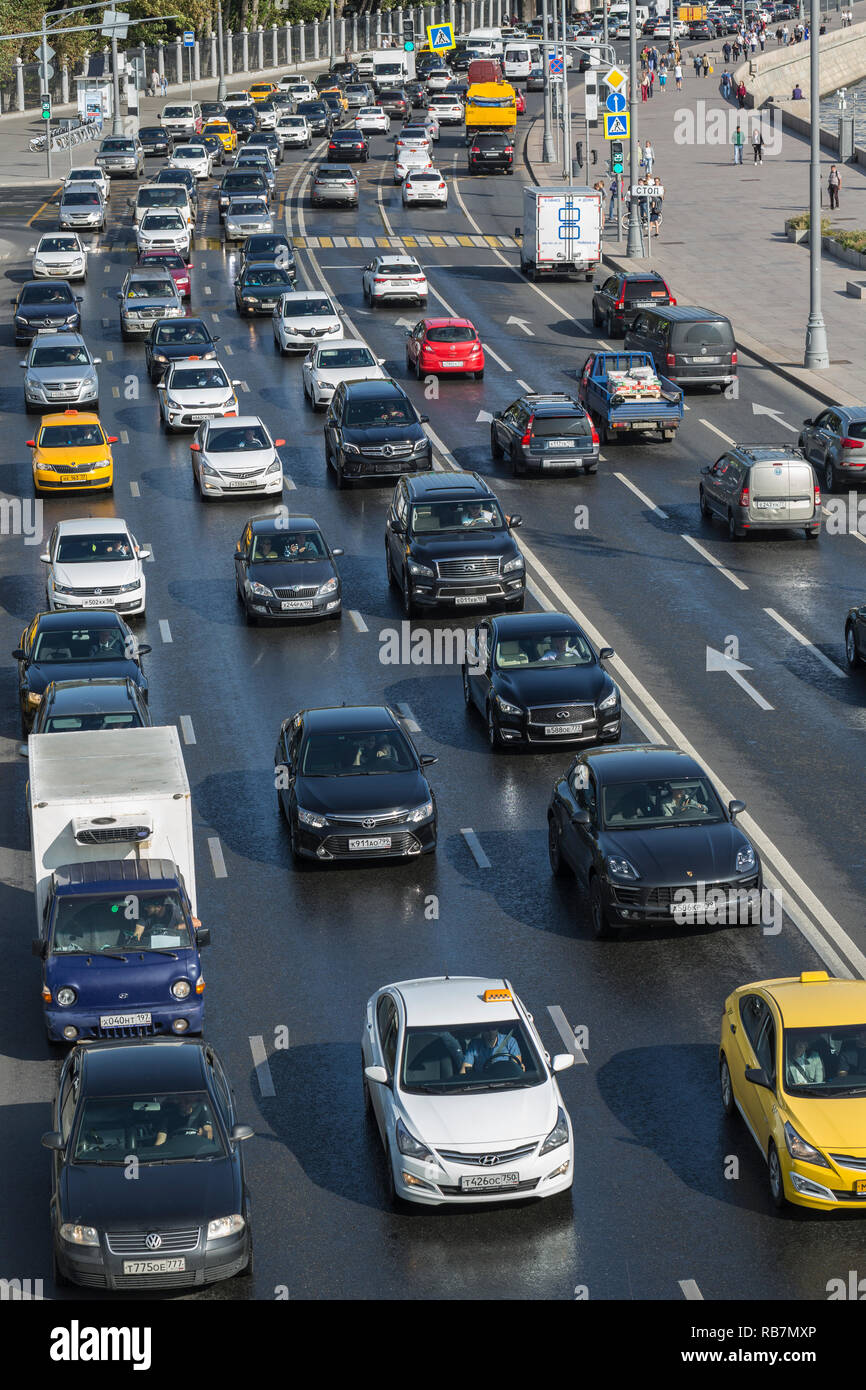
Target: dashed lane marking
(715, 429)
(134, 488)
(475, 847)
(409, 719)
(560, 1023)
(262, 1066)
(641, 495)
(716, 564)
(124, 436)
(690, 1290)
(495, 355)
(187, 729)
(165, 630)
(804, 642)
(216, 857)
(525, 385)
(357, 620)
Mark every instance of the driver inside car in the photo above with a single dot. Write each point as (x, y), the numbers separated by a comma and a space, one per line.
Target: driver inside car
(488, 1047)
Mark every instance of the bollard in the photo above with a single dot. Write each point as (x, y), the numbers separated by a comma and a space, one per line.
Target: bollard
(19, 85)
(178, 70)
(315, 41)
(246, 45)
(288, 45)
(214, 67)
(302, 42)
(354, 33)
(260, 46)
(196, 61)
(160, 59)
(275, 52)
(230, 53)
(64, 84)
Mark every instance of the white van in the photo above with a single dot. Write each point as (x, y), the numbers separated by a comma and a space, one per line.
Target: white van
(486, 42)
(518, 58)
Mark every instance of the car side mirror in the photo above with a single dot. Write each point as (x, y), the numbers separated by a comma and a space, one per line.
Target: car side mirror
(735, 807)
(707, 468)
(759, 1077)
(79, 299)
(241, 1132)
(378, 1074)
(144, 648)
(518, 231)
(23, 751)
(118, 295)
(278, 443)
(96, 361)
(238, 547)
(112, 439)
(562, 1061)
(202, 936)
(808, 422)
(18, 654)
(144, 554)
(606, 653)
(22, 364)
(427, 759)
(580, 816)
(514, 521)
(53, 1140)
(423, 419)
(337, 550)
(45, 558)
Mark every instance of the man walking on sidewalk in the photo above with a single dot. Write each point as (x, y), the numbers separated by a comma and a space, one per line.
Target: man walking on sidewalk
(758, 145)
(738, 145)
(834, 183)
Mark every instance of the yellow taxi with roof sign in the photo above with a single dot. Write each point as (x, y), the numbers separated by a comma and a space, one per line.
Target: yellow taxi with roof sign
(224, 131)
(72, 453)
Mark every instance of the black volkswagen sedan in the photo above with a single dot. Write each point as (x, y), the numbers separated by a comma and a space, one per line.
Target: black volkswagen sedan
(373, 429)
(41, 304)
(155, 140)
(186, 1222)
(644, 830)
(537, 680)
(286, 571)
(259, 286)
(172, 340)
(76, 644)
(350, 786)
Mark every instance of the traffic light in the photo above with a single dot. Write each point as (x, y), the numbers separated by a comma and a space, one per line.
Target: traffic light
(46, 107)
(616, 156)
(408, 35)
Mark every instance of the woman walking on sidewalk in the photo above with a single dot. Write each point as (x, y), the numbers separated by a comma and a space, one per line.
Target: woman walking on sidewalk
(705, 64)
(834, 183)
(741, 95)
(644, 87)
(758, 145)
(678, 74)
(663, 76)
(649, 158)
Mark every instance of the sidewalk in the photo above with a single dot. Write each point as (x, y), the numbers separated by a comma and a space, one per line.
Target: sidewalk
(723, 242)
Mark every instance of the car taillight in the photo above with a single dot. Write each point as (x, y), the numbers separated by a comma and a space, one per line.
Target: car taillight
(817, 497)
(595, 438)
(509, 149)
(380, 279)
(670, 360)
(332, 145)
(417, 279)
(744, 497)
(620, 303)
(475, 150)
(852, 443)
(733, 359)
(441, 185)
(671, 300)
(528, 435)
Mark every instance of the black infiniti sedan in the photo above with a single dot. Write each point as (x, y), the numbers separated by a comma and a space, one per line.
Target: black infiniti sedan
(74, 645)
(345, 146)
(537, 680)
(351, 786)
(287, 571)
(186, 1221)
(259, 287)
(41, 304)
(175, 340)
(644, 830)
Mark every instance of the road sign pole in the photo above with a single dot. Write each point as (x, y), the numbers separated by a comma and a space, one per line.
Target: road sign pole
(116, 119)
(635, 240)
(43, 56)
(547, 150)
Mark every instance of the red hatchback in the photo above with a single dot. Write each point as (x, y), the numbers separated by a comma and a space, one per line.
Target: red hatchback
(444, 345)
(176, 266)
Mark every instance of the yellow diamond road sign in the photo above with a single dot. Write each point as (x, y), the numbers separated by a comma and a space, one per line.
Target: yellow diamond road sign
(615, 78)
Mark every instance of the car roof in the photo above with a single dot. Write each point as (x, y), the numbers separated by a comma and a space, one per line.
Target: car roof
(341, 343)
(689, 313)
(266, 523)
(444, 1000)
(450, 485)
(61, 339)
(107, 694)
(157, 1066)
(352, 718)
(512, 625)
(810, 1001)
(629, 762)
(455, 322)
(376, 388)
(235, 422)
(87, 526)
(83, 417)
(72, 618)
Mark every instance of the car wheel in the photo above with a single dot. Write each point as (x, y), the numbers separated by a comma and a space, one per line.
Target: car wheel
(596, 317)
(249, 1267)
(704, 505)
(598, 917)
(496, 449)
(732, 528)
(417, 367)
(558, 867)
(389, 568)
(810, 534)
(339, 475)
(494, 738)
(589, 468)
(58, 1277)
(831, 481)
(479, 376)
(409, 606)
(851, 653)
(514, 461)
(725, 1086)
(422, 303)
(777, 1182)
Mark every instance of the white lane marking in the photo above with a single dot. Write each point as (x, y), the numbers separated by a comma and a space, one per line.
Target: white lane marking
(262, 1066)
(109, 356)
(716, 564)
(560, 1023)
(165, 630)
(357, 620)
(720, 661)
(339, 241)
(106, 269)
(186, 728)
(475, 848)
(215, 318)
(105, 323)
(715, 429)
(368, 241)
(495, 355)
(450, 240)
(857, 534)
(115, 391)
(641, 495)
(288, 484)
(521, 323)
(526, 386)
(409, 719)
(691, 1290)
(244, 387)
(146, 545)
(216, 857)
(207, 289)
(134, 488)
(804, 642)
(775, 416)
(437, 294)
(228, 349)
(124, 436)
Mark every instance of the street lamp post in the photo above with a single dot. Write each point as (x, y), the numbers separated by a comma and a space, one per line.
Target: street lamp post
(566, 109)
(547, 150)
(221, 60)
(634, 246)
(116, 118)
(332, 34)
(817, 352)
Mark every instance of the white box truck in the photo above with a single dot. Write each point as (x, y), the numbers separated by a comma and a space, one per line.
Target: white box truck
(114, 870)
(561, 231)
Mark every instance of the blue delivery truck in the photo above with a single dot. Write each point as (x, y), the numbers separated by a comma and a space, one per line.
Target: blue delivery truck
(623, 394)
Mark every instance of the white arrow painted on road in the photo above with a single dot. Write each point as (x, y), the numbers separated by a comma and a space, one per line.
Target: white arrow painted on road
(406, 323)
(776, 415)
(521, 323)
(718, 661)
(483, 417)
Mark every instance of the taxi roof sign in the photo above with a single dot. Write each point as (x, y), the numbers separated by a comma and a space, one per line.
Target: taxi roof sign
(440, 37)
(496, 996)
(813, 977)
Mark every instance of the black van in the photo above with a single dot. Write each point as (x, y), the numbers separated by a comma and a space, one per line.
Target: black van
(689, 345)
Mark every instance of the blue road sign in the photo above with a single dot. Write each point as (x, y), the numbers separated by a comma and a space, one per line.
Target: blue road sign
(616, 102)
(616, 125)
(440, 37)
(188, 39)
(555, 65)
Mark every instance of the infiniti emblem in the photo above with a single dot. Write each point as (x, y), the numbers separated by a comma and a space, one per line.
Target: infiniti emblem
(153, 1241)
(468, 569)
(562, 713)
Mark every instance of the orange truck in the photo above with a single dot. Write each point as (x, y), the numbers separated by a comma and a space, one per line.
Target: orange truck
(490, 106)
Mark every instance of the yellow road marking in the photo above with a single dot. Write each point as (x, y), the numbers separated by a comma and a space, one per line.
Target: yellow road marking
(436, 240)
(491, 240)
(409, 241)
(325, 242)
(382, 241)
(44, 205)
(464, 240)
(353, 240)
(299, 241)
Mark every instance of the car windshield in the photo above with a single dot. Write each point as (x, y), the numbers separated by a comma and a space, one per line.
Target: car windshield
(46, 294)
(544, 649)
(288, 545)
(173, 1128)
(151, 132)
(52, 356)
(472, 513)
(198, 379)
(58, 243)
(329, 358)
(115, 144)
(163, 222)
(248, 207)
(70, 437)
(267, 277)
(266, 246)
(256, 160)
(372, 111)
(856, 429)
(392, 268)
(89, 175)
(308, 308)
(470, 1057)
(139, 921)
(236, 438)
(81, 200)
(149, 289)
(91, 722)
(451, 333)
(79, 549)
(312, 108)
(433, 177)
(371, 752)
(242, 182)
(172, 259)
(825, 1061)
(80, 644)
(158, 197)
(704, 335)
(188, 152)
(182, 334)
(394, 410)
(292, 121)
(661, 801)
(178, 113)
(334, 172)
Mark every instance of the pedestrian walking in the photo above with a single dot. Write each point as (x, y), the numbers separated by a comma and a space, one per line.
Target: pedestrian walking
(726, 85)
(612, 204)
(705, 64)
(649, 157)
(779, 37)
(834, 184)
(163, 81)
(154, 82)
(758, 145)
(652, 80)
(738, 145)
(644, 87)
(741, 95)
(726, 50)
(761, 40)
(678, 77)
(785, 35)
(663, 79)
(696, 61)
(736, 49)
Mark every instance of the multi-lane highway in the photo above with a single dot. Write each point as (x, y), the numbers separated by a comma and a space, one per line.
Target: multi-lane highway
(656, 1201)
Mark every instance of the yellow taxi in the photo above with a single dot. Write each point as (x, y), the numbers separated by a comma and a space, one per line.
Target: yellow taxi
(260, 91)
(224, 131)
(792, 1061)
(72, 453)
(336, 91)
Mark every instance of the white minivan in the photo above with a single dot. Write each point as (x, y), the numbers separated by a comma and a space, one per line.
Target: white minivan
(487, 43)
(518, 58)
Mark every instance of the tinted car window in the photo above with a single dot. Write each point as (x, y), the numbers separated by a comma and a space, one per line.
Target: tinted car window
(560, 426)
(644, 289)
(356, 754)
(702, 334)
(390, 411)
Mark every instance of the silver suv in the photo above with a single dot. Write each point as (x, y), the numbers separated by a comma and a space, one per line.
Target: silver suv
(147, 295)
(121, 154)
(761, 487)
(59, 371)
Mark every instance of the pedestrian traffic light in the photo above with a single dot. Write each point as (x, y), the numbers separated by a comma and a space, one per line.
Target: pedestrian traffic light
(616, 156)
(46, 107)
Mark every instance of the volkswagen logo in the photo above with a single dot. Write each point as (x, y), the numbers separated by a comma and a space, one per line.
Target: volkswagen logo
(97, 591)
(368, 823)
(562, 713)
(153, 1241)
(703, 351)
(125, 995)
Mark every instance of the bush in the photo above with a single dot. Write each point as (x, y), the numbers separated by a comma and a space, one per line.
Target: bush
(851, 240)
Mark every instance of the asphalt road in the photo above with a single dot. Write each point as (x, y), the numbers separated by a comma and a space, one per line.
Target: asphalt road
(295, 956)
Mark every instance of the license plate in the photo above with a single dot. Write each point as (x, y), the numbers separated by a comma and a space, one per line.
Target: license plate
(860, 1185)
(371, 842)
(96, 603)
(197, 419)
(455, 364)
(685, 909)
(269, 304)
(296, 603)
(173, 1266)
(550, 729)
(488, 1182)
(470, 598)
(560, 444)
(770, 506)
(125, 1021)
(243, 482)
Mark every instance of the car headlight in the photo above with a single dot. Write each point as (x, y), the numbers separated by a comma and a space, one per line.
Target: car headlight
(621, 868)
(330, 586)
(19, 318)
(66, 996)
(180, 989)
(172, 402)
(159, 357)
(350, 448)
(334, 328)
(409, 1145)
(311, 818)
(79, 1235)
(38, 263)
(249, 299)
(225, 1226)
(128, 588)
(33, 699)
(421, 813)
(260, 590)
(62, 588)
(745, 859)
(505, 707)
(420, 571)
(207, 471)
(31, 383)
(610, 701)
(100, 463)
(557, 1136)
(421, 446)
(798, 1148)
(511, 565)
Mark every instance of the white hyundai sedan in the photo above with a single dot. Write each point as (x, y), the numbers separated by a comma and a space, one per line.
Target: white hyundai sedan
(326, 366)
(95, 563)
(409, 160)
(371, 119)
(303, 318)
(59, 253)
(191, 392)
(446, 110)
(195, 158)
(464, 1094)
(231, 457)
(425, 186)
(394, 277)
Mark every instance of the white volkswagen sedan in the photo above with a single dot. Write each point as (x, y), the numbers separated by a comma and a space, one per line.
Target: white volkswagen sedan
(231, 457)
(371, 119)
(303, 318)
(59, 253)
(446, 109)
(329, 364)
(195, 158)
(425, 186)
(191, 392)
(464, 1094)
(95, 563)
(89, 173)
(394, 277)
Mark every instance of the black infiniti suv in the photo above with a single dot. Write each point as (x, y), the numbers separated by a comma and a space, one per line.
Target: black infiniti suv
(372, 429)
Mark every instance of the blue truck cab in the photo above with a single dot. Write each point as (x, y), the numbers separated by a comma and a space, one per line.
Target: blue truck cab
(120, 947)
(606, 391)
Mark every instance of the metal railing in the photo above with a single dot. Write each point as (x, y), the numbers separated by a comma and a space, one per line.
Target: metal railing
(81, 133)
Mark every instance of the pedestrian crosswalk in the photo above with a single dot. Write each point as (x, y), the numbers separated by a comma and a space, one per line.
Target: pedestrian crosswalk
(419, 240)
